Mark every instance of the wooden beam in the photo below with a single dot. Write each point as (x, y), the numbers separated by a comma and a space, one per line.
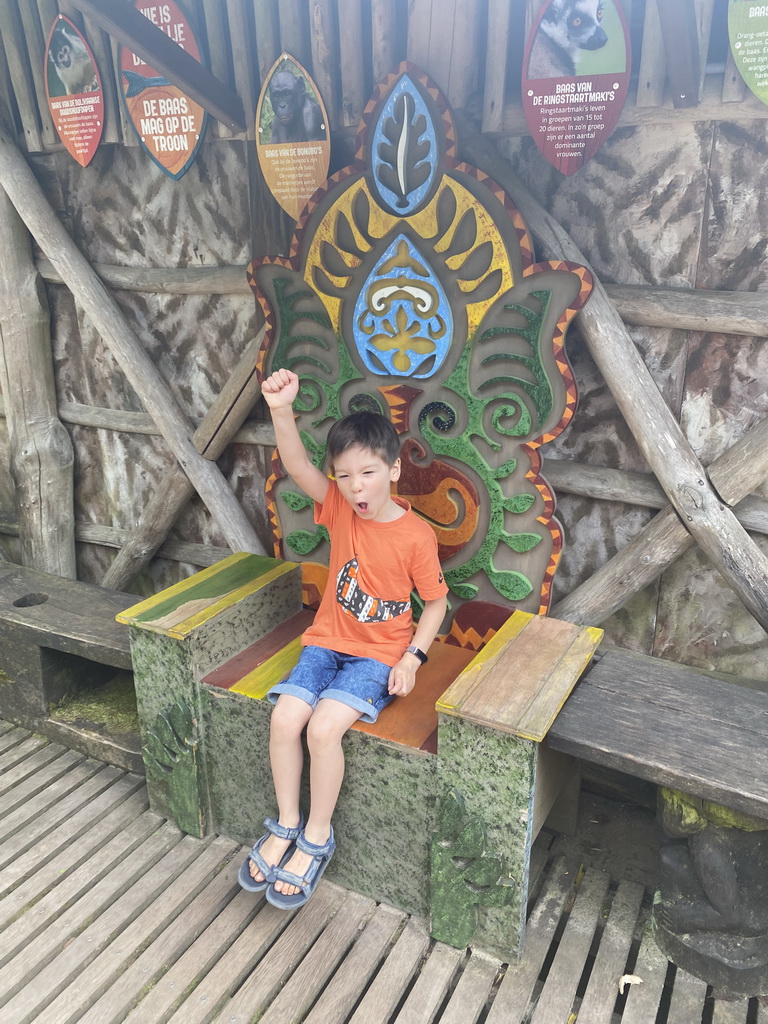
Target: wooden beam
(42, 457)
(497, 44)
(691, 309)
(32, 205)
(128, 26)
(742, 564)
(680, 36)
(383, 38)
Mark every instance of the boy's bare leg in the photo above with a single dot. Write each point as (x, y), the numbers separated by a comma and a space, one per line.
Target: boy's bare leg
(286, 756)
(330, 720)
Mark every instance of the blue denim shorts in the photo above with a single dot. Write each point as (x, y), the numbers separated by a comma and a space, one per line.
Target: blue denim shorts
(359, 682)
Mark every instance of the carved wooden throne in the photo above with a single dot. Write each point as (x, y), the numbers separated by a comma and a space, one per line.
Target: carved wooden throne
(410, 289)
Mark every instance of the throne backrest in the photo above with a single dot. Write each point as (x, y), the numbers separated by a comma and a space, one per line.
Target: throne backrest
(411, 289)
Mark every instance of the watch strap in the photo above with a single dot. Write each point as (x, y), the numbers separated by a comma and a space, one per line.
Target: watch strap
(418, 652)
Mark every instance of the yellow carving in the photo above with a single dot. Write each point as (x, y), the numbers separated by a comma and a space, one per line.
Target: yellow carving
(404, 336)
(424, 225)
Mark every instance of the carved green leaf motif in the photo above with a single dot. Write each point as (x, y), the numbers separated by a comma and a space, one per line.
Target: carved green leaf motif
(463, 876)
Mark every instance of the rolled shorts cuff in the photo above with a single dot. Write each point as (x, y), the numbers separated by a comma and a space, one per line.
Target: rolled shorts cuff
(294, 691)
(369, 712)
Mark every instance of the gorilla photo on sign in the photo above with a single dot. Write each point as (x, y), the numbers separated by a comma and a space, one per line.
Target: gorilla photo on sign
(298, 117)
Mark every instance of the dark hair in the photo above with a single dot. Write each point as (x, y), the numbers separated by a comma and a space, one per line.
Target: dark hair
(369, 430)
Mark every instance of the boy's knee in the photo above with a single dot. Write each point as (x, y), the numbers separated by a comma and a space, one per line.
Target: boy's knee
(322, 731)
(287, 720)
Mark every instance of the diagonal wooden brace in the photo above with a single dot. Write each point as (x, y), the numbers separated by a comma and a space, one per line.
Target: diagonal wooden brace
(216, 430)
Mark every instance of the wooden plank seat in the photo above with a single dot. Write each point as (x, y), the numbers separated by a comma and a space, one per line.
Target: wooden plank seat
(672, 725)
(411, 721)
(54, 632)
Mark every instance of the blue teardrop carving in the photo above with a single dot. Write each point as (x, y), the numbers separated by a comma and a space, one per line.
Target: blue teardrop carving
(404, 150)
(402, 319)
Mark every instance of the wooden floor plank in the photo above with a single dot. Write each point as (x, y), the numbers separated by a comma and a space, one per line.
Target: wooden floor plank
(643, 998)
(24, 826)
(20, 752)
(431, 986)
(174, 883)
(40, 791)
(133, 978)
(18, 783)
(281, 961)
(46, 773)
(5, 726)
(513, 998)
(235, 964)
(11, 737)
(350, 981)
(17, 936)
(209, 946)
(75, 840)
(556, 998)
(113, 903)
(603, 990)
(687, 1003)
(730, 1011)
(471, 994)
(304, 986)
(381, 999)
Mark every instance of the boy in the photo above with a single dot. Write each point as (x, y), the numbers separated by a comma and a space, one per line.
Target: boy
(360, 651)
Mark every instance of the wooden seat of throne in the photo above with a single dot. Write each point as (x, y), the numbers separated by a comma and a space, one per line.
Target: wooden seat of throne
(411, 290)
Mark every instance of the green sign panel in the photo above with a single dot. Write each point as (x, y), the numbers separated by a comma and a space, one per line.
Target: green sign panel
(748, 35)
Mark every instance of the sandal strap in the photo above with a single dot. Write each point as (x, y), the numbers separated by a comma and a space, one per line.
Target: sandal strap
(303, 844)
(273, 826)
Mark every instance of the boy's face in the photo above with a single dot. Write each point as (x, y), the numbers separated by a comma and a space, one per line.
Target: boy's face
(364, 479)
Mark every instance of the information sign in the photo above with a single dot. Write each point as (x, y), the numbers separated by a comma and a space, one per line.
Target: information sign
(169, 124)
(575, 77)
(293, 144)
(73, 88)
(748, 35)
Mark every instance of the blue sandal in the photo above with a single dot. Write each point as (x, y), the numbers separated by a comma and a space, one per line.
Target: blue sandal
(245, 878)
(308, 882)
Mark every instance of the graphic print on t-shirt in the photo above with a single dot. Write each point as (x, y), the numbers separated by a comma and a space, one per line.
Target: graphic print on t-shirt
(364, 607)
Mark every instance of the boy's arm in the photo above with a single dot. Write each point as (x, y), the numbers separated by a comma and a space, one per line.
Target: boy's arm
(402, 678)
(280, 391)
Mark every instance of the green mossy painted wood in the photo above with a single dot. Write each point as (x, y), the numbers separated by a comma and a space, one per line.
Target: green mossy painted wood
(496, 775)
(463, 875)
(171, 757)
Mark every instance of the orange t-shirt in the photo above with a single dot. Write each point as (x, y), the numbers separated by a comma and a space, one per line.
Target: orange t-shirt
(373, 567)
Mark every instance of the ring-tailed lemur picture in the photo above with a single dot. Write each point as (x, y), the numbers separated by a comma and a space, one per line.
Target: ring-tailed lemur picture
(566, 27)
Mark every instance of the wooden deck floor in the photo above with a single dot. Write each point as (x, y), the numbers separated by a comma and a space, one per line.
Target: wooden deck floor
(109, 914)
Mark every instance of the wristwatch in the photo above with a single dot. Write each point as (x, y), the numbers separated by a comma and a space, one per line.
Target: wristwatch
(419, 654)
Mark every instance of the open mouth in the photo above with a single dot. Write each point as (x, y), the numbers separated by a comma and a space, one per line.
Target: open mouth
(362, 506)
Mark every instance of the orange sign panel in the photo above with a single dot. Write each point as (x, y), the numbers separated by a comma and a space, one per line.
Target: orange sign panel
(73, 88)
(293, 144)
(170, 124)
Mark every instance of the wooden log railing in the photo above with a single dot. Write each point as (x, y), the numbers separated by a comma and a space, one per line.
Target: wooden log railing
(692, 309)
(701, 509)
